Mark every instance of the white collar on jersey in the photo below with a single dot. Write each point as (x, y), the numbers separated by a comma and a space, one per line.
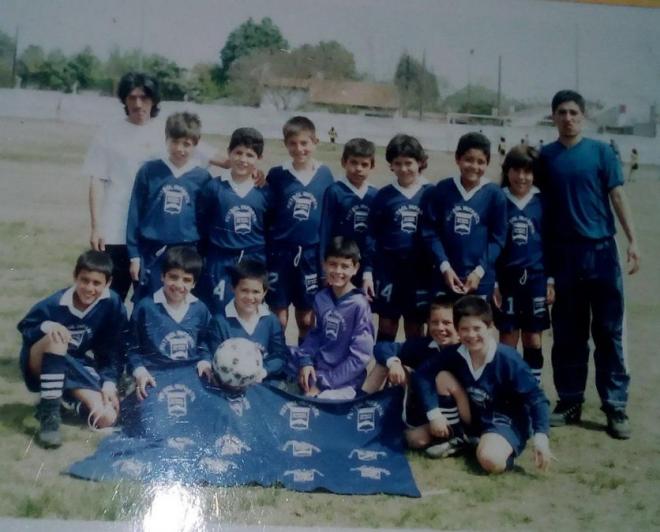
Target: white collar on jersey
(521, 203)
(412, 189)
(490, 355)
(250, 324)
(359, 192)
(177, 314)
(178, 172)
(241, 189)
(465, 194)
(66, 300)
(304, 176)
(434, 345)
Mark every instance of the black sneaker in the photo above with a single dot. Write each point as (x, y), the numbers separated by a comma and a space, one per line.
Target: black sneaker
(48, 414)
(450, 447)
(618, 425)
(565, 413)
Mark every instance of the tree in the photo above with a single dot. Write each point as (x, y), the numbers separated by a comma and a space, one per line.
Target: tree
(85, 68)
(170, 76)
(327, 60)
(30, 65)
(418, 86)
(476, 99)
(201, 86)
(247, 38)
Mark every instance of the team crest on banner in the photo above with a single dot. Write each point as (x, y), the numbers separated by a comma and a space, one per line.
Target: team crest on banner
(300, 449)
(179, 443)
(229, 444)
(366, 415)
(174, 196)
(216, 465)
(299, 414)
(177, 397)
(238, 404)
(303, 475)
(366, 455)
(373, 473)
(130, 467)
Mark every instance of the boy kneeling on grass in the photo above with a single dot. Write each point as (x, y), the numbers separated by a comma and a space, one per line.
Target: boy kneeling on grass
(59, 334)
(504, 398)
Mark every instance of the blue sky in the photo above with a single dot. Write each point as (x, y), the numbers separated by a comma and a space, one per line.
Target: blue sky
(618, 48)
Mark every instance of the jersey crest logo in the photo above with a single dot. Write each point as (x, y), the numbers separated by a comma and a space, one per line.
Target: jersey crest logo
(177, 396)
(311, 282)
(243, 217)
(332, 324)
(130, 467)
(300, 449)
(366, 455)
(365, 416)
(303, 475)
(303, 203)
(299, 415)
(78, 333)
(174, 196)
(216, 465)
(521, 227)
(179, 443)
(373, 473)
(479, 396)
(408, 216)
(464, 217)
(177, 345)
(538, 306)
(230, 445)
(360, 218)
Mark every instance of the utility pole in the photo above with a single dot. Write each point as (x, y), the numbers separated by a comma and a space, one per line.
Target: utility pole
(499, 85)
(469, 86)
(422, 83)
(577, 58)
(14, 58)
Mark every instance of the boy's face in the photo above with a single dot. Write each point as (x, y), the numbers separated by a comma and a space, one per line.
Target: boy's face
(339, 271)
(180, 150)
(441, 326)
(243, 161)
(248, 295)
(474, 334)
(177, 284)
(138, 105)
(568, 118)
(301, 147)
(520, 181)
(406, 170)
(357, 169)
(89, 286)
(472, 165)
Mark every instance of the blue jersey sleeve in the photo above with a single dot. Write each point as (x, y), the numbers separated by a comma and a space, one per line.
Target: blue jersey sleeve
(135, 210)
(110, 344)
(135, 341)
(423, 382)
(431, 222)
(383, 351)
(277, 350)
(497, 231)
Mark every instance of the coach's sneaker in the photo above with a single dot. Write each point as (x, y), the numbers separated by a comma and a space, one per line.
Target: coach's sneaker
(450, 447)
(565, 413)
(618, 425)
(48, 414)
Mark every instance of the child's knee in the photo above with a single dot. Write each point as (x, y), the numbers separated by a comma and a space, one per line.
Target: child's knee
(418, 439)
(446, 383)
(492, 458)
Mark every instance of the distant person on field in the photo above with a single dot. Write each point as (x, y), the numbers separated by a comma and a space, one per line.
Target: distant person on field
(634, 164)
(333, 135)
(74, 349)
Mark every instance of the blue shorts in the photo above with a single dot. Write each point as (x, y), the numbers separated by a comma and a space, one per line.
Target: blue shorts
(524, 304)
(293, 277)
(214, 287)
(77, 374)
(516, 433)
(401, 284)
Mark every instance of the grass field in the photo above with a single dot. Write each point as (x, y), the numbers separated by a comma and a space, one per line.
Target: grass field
(596, 483)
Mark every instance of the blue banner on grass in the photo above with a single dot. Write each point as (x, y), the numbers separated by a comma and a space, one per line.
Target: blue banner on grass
(187, 431)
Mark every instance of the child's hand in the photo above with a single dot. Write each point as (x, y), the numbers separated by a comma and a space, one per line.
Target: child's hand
(259, 178)
(204, 369)
(368, 288)
(550, 294)
(134, 270)
(396, 374)
(143, 379)
(307, 378)
(497, 297)
(472, 283)
(59, 334)
(634, 258)
(439, 427)
(109, 395)
(313, 392)
(453, 282)
(542, 454)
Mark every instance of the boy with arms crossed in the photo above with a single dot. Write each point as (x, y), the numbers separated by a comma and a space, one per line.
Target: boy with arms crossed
(332, 359)
(60, 331)
(298, 188)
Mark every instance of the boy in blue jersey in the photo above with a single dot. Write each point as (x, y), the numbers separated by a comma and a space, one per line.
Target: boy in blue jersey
(579, 179)
(170, 328)
(164, 204)
(246, 316)
(465, 223)
(522, 291)
(333, 358)
(298, 188)
(348, 201)
(232, 218)
(58, 335)
(505, 400)
(395, 254)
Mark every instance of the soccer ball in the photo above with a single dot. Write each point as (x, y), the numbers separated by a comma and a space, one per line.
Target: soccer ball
(238, 362)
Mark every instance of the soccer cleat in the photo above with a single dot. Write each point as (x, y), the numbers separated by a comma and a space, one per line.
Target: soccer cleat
(450, 447)
(48, 414)
(565, 413)
(618, 425)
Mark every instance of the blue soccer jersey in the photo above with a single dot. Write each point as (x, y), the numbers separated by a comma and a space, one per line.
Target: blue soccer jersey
(162, 337)
(412, 353)
(100, 329)
(164, 206)
(465, 229)
(264, 329)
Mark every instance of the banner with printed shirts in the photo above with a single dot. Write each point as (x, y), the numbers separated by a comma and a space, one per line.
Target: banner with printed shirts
(188, 431)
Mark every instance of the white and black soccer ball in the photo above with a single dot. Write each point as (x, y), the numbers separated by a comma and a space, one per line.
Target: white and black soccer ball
(238, 363)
